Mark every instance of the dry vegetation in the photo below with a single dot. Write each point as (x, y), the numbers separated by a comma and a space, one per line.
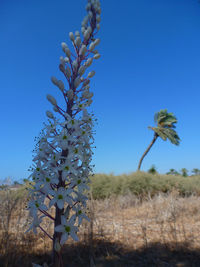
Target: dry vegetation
(125, 230)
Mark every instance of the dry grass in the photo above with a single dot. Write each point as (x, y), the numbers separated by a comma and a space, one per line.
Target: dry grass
(123, 231)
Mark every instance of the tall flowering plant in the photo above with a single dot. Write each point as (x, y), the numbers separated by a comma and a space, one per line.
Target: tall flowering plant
(63, 153)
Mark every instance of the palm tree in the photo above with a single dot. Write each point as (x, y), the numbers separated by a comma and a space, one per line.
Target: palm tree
(184, 172)
(172, 172)
(152, 170)
(165, 129)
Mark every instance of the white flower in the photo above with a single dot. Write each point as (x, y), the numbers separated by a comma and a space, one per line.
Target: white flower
(80, 183)
(67, 167)
(35, 224)
(48, 181)
(67, 229)
(35, 205)
(63, 139)
(60, 197)
(80, 214)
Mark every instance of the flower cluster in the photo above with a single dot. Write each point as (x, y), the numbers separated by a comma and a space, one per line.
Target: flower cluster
(62, 163)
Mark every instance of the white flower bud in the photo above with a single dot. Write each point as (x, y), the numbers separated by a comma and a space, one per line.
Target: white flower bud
(66, 49)
(54, 80)
(96, 56)
(83, 50)
(86, 82)
(88, 95)
(91, 74)
(70, 94)
(89, 29)
(97, 41)
(55, 109)
(49, 114)
(78, 41)
(89, 102)
(62, 61)
(86, 35)
(81, 70)
(75, 64)
(68, 72)
(95, 52)
(52, 100)
(92, 46)
(88, 7)
(61, 85)
(83, 30)
(85, 94)
(71, 36)
(77, 33)
(66, 59)
(77, 82)
(85, 21)
(87, 87)
(88, 62)
(98, 18)
(67, 52)
(64, 45)
(90, 14)
(99, 10)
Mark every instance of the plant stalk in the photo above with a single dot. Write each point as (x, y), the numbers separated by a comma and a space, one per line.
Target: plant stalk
(147, 150)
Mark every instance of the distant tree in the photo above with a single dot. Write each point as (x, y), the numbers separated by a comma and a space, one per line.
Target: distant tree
(165, 129)
(16, 183)
(184, 172)
(196, 171)
(172, 172)
(152, 170)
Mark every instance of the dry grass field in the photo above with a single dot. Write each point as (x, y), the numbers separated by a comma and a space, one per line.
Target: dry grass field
(163, 230)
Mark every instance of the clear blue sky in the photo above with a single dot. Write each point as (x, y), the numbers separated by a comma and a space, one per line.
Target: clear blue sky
(150, 61)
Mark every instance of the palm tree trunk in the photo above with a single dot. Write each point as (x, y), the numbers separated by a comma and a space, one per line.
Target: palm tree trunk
(147, 150)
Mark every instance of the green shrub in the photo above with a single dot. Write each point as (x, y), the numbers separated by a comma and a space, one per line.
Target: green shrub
(142, 184)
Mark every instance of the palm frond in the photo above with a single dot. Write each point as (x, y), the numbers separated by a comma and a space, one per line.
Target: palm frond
(159, 132)
(171, 135)
(165, 119)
